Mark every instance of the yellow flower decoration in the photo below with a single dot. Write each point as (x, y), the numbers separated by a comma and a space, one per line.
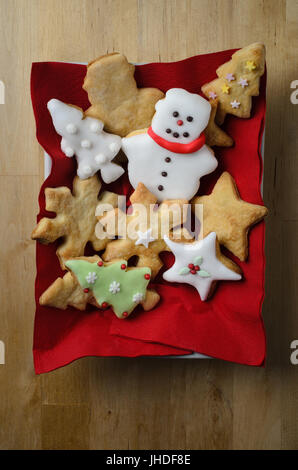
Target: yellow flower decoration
(250, 65)
(225, 89)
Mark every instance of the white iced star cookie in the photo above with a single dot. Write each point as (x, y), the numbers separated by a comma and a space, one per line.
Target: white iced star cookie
(197, 264)
(84, 137)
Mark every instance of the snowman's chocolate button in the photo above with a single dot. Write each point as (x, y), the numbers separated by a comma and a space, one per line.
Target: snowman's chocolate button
(185, 134)
(189, 118)
(168, 131)
(175, 114)
(167, 159)
(164, 173)
(175, 134)
(160, 187)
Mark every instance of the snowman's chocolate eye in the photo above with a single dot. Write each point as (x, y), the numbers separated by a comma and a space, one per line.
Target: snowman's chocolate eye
(168, 131)
(175, 114)
(189, 118)
(185, 134)
(175, 134)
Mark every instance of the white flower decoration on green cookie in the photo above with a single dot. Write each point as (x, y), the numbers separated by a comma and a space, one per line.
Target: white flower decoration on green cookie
(114, 287)
(138, 297)
(91, 278)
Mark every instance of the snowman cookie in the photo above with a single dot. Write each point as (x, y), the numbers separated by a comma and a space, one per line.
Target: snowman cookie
(84, 137)
(171, 157)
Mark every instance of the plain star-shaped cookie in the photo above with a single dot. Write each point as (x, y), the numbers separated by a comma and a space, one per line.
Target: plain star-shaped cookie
(225, 213)
(197, 264)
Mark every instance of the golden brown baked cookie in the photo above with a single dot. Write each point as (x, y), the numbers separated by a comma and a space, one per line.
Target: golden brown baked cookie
(225, 213)
(238, 80)
(215, 136)
(75, 217)
(115, 98)
(142, 231)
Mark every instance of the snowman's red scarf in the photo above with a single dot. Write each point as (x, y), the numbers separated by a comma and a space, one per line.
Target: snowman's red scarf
(174, 146)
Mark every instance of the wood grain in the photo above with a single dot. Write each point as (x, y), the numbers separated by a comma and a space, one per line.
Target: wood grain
(99, 403)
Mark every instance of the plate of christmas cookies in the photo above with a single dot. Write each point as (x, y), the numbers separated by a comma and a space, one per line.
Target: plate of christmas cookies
(150, 236)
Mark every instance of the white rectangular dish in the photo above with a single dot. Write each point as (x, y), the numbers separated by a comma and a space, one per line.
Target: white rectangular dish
(47, 172)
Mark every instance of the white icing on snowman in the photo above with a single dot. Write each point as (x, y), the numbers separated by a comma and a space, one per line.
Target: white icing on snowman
(84, 137)
(172, 159)
(197, 264)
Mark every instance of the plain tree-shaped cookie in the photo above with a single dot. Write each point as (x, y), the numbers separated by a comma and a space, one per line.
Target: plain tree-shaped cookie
(238, 80)
(75, 217)
(115, 98)
(148, 241)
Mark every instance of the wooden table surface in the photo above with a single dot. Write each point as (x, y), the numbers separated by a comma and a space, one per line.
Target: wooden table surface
(107, 403)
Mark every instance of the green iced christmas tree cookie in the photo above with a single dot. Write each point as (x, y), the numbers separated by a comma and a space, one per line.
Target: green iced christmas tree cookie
(112, 285)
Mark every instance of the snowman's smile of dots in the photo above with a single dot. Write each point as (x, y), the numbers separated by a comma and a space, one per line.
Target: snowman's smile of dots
(180, 122)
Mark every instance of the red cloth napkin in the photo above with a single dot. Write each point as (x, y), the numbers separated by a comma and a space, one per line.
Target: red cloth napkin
(229, 326)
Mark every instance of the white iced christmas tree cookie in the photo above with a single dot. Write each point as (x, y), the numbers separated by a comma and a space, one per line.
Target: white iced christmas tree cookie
(84, 137)
(171, 156)
(197, 264)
